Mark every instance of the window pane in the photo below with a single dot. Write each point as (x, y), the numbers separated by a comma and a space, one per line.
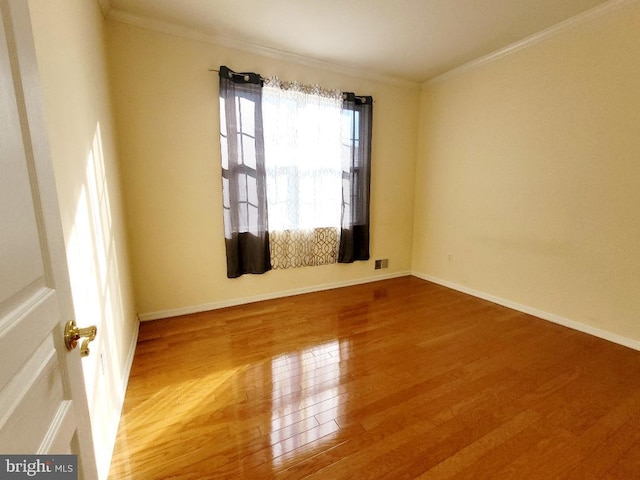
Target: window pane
(252, 188)
(304, 153)
(226, 203)
(224, 152)
(243, 218)
(223, 119)
(247, 116)
(249, 151)
(242, 188)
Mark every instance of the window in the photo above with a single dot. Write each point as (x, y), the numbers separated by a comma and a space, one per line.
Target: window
(302, 132)
(302, 157)
(296, 174)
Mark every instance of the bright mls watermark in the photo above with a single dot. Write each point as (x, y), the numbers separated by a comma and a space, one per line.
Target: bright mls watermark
(52, 467)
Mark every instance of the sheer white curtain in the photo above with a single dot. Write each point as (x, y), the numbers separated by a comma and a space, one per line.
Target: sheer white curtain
(303, 171)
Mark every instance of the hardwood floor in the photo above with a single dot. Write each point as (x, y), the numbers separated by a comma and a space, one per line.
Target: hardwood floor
(397, 379)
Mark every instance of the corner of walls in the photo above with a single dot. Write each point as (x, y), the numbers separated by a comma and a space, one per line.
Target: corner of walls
(70, 48)
(166, 113)
(258, 298)
(119, 395)
(105, 6)
(527, 173)
(529, 310)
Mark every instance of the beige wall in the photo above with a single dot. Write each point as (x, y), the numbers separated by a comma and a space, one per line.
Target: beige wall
(70, 47)
(166, 104)
(528, 176)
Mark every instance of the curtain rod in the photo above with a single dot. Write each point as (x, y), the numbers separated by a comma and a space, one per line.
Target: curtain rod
(361, 98)
(235, 73)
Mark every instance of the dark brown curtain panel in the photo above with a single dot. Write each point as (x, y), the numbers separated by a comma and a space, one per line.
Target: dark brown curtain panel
(356, 178)
(243, 173)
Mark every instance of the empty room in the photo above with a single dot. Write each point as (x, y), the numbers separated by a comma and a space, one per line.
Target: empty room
(321, 239)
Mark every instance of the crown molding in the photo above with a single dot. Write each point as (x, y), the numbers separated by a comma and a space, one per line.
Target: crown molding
(546, 34)
(228, 42)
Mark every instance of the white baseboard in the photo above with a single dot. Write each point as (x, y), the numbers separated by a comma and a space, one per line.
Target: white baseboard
(258, 298)
(120, 396)
(551, 317)
(127, 367)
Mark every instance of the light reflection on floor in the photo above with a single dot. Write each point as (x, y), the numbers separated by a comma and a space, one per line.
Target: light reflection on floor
(306, 399)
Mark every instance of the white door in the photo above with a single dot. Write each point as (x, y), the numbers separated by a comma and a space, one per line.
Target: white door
(43, 406)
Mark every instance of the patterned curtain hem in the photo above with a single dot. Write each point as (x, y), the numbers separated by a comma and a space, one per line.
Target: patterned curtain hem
(303, 248)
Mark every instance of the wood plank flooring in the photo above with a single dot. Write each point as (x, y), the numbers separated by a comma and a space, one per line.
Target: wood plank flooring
(397, 379)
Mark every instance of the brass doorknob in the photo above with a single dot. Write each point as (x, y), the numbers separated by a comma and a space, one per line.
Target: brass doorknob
(72, 334)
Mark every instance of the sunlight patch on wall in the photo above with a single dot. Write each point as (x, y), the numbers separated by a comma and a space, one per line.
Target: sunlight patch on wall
(97, 299)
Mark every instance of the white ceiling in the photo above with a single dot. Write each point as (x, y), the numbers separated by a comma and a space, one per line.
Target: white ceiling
(412, 40)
